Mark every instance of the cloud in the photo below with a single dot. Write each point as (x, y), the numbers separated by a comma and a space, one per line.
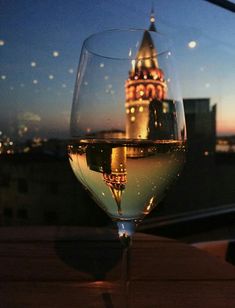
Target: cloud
(29, 117)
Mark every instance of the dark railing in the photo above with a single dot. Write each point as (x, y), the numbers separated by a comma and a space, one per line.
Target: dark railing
(224, 4)
(192, 225)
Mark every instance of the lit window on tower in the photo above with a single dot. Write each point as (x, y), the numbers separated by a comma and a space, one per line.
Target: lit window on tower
(165, 107)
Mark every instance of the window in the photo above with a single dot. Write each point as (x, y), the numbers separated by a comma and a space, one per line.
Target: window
(22, 186)
(22, 213)
(7, 212)
(36, 89)
(4, 180)
(50, 217)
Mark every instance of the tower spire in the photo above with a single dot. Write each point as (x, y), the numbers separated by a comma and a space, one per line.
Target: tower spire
(152, 20)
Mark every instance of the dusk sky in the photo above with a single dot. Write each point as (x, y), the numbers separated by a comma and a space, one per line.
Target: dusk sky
(40, 43)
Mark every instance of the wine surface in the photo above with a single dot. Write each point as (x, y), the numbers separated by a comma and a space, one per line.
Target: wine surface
(126, 179)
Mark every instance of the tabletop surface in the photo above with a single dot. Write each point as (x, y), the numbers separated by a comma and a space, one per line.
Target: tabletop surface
(83, 267)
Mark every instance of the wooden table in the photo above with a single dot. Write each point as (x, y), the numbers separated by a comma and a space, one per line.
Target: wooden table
(53, 267)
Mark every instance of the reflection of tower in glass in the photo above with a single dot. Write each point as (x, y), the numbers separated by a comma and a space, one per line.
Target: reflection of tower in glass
(117, 178)
(111, 162)
(145, 83)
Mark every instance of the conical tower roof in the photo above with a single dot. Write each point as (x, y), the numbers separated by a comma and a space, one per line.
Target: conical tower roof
(147, 55)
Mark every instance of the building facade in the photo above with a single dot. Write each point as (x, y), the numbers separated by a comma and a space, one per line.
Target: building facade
(201, 126)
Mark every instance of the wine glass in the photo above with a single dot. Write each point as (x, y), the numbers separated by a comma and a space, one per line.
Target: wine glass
(127, 124)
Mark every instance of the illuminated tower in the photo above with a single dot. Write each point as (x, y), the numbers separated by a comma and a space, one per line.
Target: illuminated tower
(145, 83)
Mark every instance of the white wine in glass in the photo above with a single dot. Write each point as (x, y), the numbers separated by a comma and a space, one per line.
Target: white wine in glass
(127, 124)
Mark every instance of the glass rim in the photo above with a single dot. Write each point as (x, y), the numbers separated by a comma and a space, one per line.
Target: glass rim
(125, 30)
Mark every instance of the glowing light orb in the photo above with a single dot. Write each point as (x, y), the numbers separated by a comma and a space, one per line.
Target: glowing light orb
(2, 43)
(51, 77)
(33, 64)
(192, 44)
(71, 70)
(3, 77)
(55, 53)
(35, 81)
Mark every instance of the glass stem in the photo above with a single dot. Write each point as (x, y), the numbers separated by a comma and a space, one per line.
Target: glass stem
(126, 275)
(126, 229)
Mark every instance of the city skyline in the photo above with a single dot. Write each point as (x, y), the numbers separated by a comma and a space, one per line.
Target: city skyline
(39, 61)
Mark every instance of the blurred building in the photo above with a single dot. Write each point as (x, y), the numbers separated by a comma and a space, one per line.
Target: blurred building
(201, 127)
(40, 189)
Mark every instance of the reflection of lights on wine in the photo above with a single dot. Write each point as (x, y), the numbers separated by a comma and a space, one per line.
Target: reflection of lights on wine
(2, 43)
(3, 77)
(35, 81)
(71, 71)
(51, 77)
(151, 204)
(101, 65)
